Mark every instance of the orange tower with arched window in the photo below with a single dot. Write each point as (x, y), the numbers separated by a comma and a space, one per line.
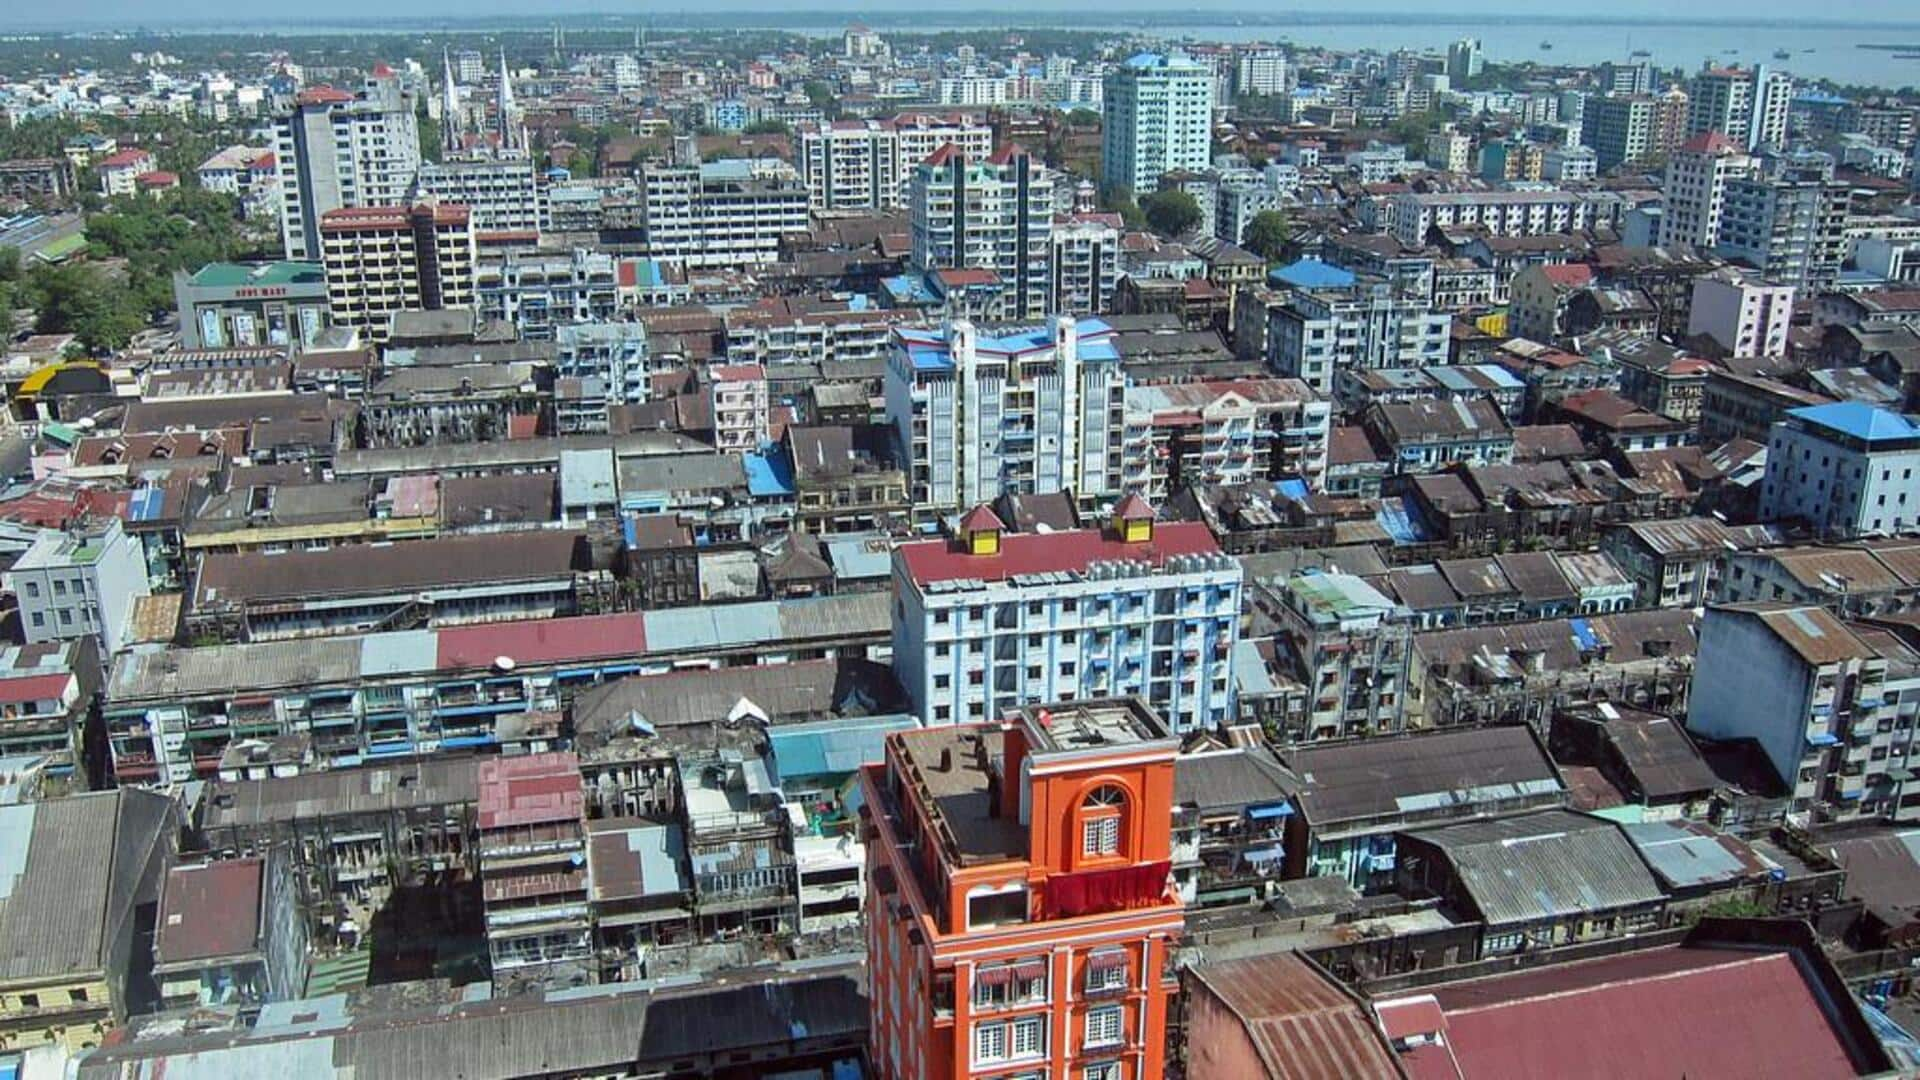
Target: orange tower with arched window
(1019, 912)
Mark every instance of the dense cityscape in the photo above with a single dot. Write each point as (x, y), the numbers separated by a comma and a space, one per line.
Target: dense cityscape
(628, 548)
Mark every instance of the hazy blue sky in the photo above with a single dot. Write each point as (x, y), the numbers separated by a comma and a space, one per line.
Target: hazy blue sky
(160, 12)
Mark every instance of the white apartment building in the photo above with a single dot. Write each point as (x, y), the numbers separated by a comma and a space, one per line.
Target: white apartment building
(1245, 431)
(727, 213)
(1847, 469)
(79, 584)
(539, 293)
(1502, 213)
(1086, 262)
(1745, 313)
(740, 407)
(990, 621)
(1569, 164)
(616, 353)
(337, 149)
(1314, 334)
(505, 195)
(1033, 410)
(1262, 72)
(1790, 225)
(973, 90)
(1749, 106)
(1833, 713)
(1695, 189)
(783, 331)
(987, 214)
(1158, 119)
(868, 164)
(379, 260)
(1450, 151)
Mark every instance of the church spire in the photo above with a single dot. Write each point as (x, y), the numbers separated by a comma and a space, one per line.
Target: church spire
(508, 139)
(450, 101)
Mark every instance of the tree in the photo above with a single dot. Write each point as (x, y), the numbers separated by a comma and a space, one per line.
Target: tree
(766, 127)
(1268, 234)
(1083, 118)
(76, 298)
(1171, 213)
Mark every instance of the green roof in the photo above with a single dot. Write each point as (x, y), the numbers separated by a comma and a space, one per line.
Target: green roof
(64, 248)
(234, 275)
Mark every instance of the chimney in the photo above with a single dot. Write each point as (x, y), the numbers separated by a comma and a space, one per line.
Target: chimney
(946, 759)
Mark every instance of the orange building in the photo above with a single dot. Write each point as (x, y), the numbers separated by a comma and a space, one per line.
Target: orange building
(1019, 912)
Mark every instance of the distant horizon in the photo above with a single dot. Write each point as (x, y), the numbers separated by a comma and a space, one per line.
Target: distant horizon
(216, 16)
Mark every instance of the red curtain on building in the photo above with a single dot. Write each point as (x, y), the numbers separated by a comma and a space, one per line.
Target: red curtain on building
(1094, 891)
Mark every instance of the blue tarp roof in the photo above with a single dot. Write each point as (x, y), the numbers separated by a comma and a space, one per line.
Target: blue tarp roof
(1859, 420)
(833, 747)
(1402, 521)
(769, 474)
(1311, 274)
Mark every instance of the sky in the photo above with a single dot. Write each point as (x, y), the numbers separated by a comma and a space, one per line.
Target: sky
(155, 13)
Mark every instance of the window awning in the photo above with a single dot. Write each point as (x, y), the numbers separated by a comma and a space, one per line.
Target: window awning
(1030, 969)
(1279, 810)
(1107, 961)
(998, 975)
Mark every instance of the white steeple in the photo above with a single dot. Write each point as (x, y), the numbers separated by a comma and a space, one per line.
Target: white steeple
(505, 104)
(450, 101)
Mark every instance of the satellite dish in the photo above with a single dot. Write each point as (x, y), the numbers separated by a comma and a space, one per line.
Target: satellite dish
(503, 663)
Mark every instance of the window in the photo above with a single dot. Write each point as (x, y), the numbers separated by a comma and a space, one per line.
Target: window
(1104, 1025)
(1023, 982)
(989, 1043)
(33, 590)
(1100, 821)
(1101, 836)
(1029, 1036)
(1106, 972)
(1009, 1040)
(1106, 1070)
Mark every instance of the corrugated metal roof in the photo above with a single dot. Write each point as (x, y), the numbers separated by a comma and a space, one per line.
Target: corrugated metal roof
(1300, 1023)
(1231, 779)
(1685, 854)
(1389, 777)
(1544, 865)
(833, 747)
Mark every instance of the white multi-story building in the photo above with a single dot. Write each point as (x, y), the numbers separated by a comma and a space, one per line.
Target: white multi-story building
(868, 164)
(1695, 189)
(973, 90)
(1158, 119)
(1086, 262)
(337, 149)
(1749, 106)
(1449, 150)
(1745, 313)
(1502, 213)
(538, 293)
(785, 330)
(379, 260)
(991, 621)
(1262, 72)
(1315, 333)
(71, 585)
(1246, 431)
(1569, 164)
(1035, 411)
(1791, 225)
(1465, 60)
(740, 407)
(1831, 709)
(1846, 469)
(505, 195)
(987, 214)
(616, 353)
(727, 213)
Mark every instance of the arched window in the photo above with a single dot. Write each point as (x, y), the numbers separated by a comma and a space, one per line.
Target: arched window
(1100, 815)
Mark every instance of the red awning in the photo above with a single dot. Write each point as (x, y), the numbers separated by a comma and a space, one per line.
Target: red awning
(1106, 890)
(1030, 969)
(999, 975)
(1108, 961)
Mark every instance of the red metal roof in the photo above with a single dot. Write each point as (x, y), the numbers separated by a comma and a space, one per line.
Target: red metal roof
(1569, 275)
(942, 156)
(1692, 1012)
(981, 517)
(209, 911)
(322, 95)
(1041, 553)
(1302, 1026)
(133, 155)
(1133, 508)
(23, 688)
(543, 641)
(529, 790)
(1710, 142)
